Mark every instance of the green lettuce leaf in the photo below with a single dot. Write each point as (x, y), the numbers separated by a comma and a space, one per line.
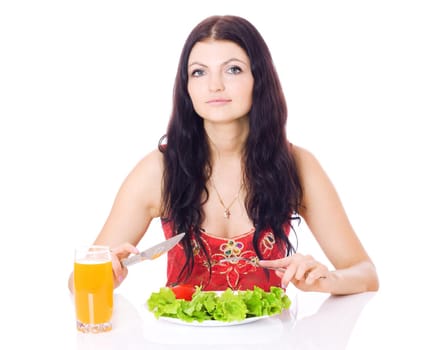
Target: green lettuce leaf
(227, 306)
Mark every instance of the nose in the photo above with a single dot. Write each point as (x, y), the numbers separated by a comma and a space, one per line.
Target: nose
(216, 82)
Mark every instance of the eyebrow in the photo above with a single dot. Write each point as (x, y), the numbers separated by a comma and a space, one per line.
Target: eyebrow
(222, 64)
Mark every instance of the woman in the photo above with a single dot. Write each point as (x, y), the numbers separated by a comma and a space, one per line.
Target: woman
(227, 176)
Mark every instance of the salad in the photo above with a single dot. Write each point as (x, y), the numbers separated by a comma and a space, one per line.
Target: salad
(226, 306)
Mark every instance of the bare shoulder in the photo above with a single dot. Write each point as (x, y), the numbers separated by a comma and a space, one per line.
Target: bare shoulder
(151, 164)
(317, 187)
(300, 152)
(148, 172)
(144, 182)
(305, 160)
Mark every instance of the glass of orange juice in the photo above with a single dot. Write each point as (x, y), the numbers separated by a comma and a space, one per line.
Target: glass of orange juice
(93, 288)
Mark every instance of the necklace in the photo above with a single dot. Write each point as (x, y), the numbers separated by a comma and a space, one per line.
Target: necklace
(227, 212)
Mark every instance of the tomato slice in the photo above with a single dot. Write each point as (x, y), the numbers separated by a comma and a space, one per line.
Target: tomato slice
(183, 291)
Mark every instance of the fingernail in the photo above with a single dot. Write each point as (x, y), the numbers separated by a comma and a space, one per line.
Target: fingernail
(120, 278)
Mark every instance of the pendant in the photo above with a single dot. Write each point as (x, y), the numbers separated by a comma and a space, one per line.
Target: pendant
(227, 213)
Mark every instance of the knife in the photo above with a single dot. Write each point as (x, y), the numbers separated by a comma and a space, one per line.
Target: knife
(153, 252)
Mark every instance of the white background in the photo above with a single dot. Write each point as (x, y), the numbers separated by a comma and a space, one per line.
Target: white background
(85, 92)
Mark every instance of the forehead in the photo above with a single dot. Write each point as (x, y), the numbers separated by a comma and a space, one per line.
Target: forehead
(216, 51)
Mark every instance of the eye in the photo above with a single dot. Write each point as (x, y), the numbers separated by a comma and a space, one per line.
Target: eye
(197, 73)
(234, 70)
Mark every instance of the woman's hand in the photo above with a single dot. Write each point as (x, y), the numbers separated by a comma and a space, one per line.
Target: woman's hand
(119, 253)
(303, 271)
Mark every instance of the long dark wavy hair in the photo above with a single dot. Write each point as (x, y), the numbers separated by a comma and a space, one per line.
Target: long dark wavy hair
(270, 175)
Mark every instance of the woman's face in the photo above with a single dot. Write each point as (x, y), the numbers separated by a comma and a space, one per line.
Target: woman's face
(220, 82)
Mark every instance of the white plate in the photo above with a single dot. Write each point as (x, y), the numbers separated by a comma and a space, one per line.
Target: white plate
(181, 332)
(212, 323)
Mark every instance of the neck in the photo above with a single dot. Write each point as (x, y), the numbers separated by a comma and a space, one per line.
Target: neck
(227, 140)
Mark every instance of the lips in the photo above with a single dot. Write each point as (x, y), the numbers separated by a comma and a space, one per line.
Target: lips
(218, 101)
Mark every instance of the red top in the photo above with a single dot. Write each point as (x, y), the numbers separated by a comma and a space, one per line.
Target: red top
(239, 275)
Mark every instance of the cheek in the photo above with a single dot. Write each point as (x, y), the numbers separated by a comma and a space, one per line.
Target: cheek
(246, 93)
(188, 89)
(194, 95)
(193, 92)
(244, 88)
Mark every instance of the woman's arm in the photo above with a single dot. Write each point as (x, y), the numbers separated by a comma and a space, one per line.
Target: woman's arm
(324, 214)
(137, 202)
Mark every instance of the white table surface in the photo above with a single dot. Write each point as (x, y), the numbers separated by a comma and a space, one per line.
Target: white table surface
(315, 321)
(328, 327)
(38, 312)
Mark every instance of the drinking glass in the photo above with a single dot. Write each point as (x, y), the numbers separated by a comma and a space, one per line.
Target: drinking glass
(93, 288)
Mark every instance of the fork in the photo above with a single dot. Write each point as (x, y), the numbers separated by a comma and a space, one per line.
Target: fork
(234, 259)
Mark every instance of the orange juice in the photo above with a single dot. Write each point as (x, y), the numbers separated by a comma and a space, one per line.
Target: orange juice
(93, 291)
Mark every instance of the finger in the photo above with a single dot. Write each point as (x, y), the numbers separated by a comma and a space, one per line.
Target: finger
(288, 275)
(320, 272)
(276, 263)
(303, 269)
(124, 250)
(118, 270)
